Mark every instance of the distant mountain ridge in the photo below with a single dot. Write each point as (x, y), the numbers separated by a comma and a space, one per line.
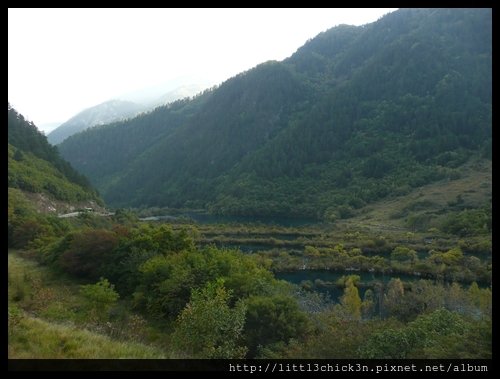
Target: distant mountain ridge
(104, 113)
(120, 109)
(355, 115)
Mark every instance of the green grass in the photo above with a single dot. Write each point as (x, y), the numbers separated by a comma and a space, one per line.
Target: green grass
(47, 320)
(473, 187)
(31, 337)
(37, 289)
(33, 174)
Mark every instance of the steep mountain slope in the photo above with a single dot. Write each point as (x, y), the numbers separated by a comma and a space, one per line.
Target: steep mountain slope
(121, 143)
(355, 115)
(35, 166)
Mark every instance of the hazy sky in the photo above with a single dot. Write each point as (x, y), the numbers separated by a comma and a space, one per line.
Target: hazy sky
(64, 60)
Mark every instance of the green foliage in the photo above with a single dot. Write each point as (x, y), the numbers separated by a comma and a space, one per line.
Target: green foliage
(273, 319)
(208, 327)
(333, 337)
(388, 344)
(351, 301)
(368, 304)
(26, 226)
(34, 338)
(480, 298)
(429, 331)
(167, 281)
(35, 165)
(468, 222)
(423, 296)
(88, 253)
(402, 253)
(33, 174)
(394, 299)
(53, 319)
(100, 297)
(344, 279)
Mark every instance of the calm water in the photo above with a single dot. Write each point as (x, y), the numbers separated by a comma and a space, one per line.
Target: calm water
(330, 289)
(327, 279)
(203, 218)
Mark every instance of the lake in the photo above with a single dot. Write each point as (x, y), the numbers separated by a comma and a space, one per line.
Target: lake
(324, 280)
(205, 218)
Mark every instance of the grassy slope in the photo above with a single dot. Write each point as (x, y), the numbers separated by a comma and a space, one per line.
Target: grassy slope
(35, 338)
(44, 321)
(37, 175)
(474, 186)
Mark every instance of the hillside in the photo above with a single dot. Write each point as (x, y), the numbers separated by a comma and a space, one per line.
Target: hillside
(36, 166)
(35, 175)
(355, 116)
(433, 206)
(40, 184)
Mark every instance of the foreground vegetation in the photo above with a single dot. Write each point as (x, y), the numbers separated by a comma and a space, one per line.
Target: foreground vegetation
(116, 287)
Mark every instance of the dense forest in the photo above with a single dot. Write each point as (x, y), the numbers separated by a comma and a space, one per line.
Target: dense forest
(356, 115)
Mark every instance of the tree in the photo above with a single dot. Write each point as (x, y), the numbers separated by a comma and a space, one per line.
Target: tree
(351, 301)
(100, 297)
(387, 344)
(208, 327)
(18, 155)
(402, 254)
(438, 331)
(368, 305)
(273, 319)
(89, 253)
(25, 230)
(167, 280)
(394, 297)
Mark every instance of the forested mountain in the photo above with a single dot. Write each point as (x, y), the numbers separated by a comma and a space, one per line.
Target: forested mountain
(355, 115)
(36, 166)
(109, 111)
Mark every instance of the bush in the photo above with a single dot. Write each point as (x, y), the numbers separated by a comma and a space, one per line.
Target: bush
(271, 320)
(88, 253)
(208, 327)
(100, 297)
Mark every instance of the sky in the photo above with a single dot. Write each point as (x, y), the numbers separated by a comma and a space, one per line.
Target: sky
(61, 61)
